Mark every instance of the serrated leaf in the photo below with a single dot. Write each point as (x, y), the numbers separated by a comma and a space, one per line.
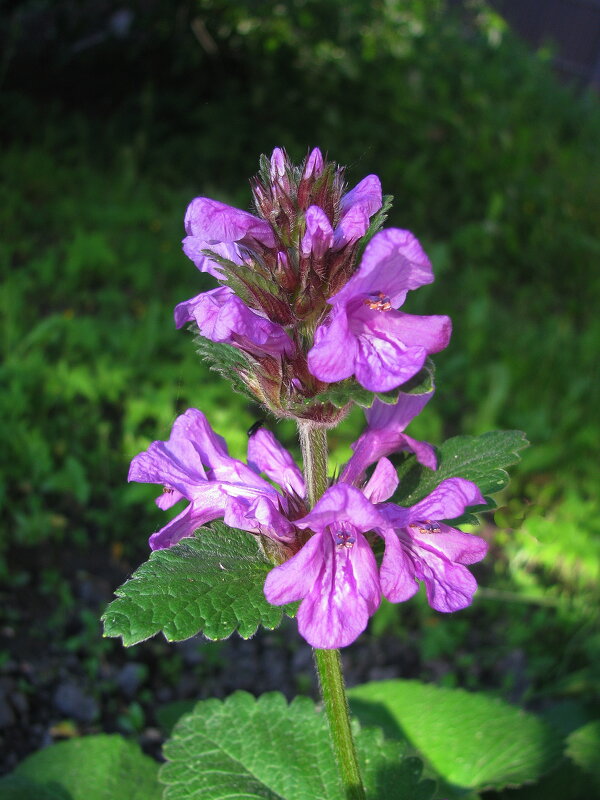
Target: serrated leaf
(211, 583)
(480, 459)
(225, 359)
(349, 391)
(265, 748)
(470, 740)
(91, 768)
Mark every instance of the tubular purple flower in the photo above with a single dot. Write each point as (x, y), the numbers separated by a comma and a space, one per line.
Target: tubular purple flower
(335, 573)
(222, 317)
(212, 225)
(364, 335)
(385, 435)
(318, 236)
(426, 549)
(314, 164)
(194, 465)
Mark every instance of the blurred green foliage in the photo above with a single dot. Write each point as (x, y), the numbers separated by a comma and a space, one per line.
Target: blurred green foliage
(493, 165)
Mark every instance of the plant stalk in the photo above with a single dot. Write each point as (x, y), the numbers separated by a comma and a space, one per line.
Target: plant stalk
(313, 441)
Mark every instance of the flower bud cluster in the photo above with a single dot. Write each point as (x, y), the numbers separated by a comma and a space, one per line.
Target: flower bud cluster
(296, 297)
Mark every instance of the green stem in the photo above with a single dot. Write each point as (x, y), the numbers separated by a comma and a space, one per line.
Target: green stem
(313, 441)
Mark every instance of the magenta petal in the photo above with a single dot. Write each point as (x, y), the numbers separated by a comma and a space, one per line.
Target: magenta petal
(397, 574)
(351, 227)
(183, 525)
(431, 332)
(258, 514)
(343, 505)
(314, 164)
(337, 609)
(195, 248)
(318, 236)
(294, 579)
(217, 222)
(447, 501)
(332, 356)
(366, 195)
(168, 498)
(381, 365)
(450, 586)
(452, 544)
(393, 263)
(396, 417)
(267, 455)
(424, 452)
(382, 483)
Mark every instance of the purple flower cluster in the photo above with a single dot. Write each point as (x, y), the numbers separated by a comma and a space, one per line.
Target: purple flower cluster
(330, 562)
(292, 296)
(309, 293)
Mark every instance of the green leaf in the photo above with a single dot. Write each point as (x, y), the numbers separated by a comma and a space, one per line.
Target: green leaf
(15, 788)
(349, 391)
(91, 768)
(225, 359)
(211, 583)
(478, 458)
(265, 748)
(583, 746)
(470, 740)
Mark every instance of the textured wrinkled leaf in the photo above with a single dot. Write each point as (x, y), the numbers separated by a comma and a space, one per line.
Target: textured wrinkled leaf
(92, 768)
(265, 748)
(225, 359)
(480, 459)
(583, 746)
(470, 740)
(211, 583)
(349, 391)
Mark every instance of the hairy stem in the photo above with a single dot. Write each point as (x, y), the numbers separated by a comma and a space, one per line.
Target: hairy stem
(313, 441)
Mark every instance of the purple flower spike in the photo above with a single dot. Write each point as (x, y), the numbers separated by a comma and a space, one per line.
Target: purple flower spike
(385, 435)
(194, 465)
(335, 573)
(222, 317)
(364, 335)
(426, 549)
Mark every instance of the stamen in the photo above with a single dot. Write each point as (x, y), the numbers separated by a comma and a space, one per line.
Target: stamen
(167, 490)
(378, 302)
(345, 539)
(427, 526)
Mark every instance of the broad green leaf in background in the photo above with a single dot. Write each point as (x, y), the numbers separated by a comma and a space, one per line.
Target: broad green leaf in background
(211, 583)
(264, 748)
(480, 459)
(471, 741)
(91, 768)
(583, 746)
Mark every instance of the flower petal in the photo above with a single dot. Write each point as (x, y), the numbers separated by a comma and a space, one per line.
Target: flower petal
(318, 236)
(447, 501)
(381, 364)
(382, 483)
(366, 195)
(214, 221)
(397, 572)
(194, 247)
(314, 164)
(294, 579)
(267, 455)
(393, 263)
(332, 356)
(351, 227)
(431, 332)
(343, 505)
(183, 525)
(450, 586)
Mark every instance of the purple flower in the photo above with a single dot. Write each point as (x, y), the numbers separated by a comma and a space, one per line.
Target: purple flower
(385, 435)
(222, 317)
(335, 573)
(227, 231)
(426, 549)
(364, 335)
(357, 207)
(194, 465)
